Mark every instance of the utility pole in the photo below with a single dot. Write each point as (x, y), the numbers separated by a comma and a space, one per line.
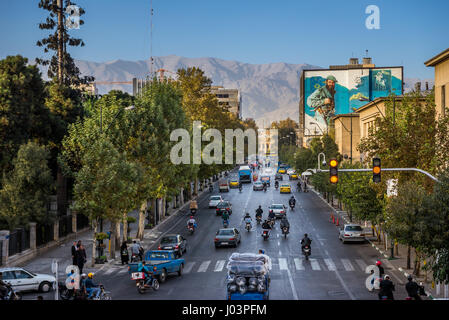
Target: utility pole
(151, 39)
(60, 40)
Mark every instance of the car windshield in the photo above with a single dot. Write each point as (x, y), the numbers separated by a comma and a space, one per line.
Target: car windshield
(285, 185)
(223, 204)
(215, 198)
(277, 206)
(159, 255)
(353, 228)
(226, 232)
(171, 239)
(258, 183)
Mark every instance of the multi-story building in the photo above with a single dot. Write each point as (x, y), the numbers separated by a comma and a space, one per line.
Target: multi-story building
(347, 135)
(441, 64)
(229, 98)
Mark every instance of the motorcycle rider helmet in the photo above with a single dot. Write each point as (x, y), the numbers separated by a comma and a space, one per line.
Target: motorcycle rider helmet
(90, 275)
(378, 263)
(386, 277)
(409, 277)
(191, 217)
(83, 275)
(305, 234)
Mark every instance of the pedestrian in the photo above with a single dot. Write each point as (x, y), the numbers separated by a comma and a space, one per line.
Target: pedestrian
(124, 253)
(81, 256)
(74, 253)
(412, 288)
(386, 288)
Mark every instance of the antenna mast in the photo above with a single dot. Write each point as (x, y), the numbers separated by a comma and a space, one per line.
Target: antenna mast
(151, 38)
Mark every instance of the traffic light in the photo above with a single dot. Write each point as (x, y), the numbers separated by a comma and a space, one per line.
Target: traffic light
(376, 170)
(333, 171)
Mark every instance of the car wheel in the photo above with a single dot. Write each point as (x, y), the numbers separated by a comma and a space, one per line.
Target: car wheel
(180, 269)
(343, 241)
(163, 276)
(216, 246)
(45, 286)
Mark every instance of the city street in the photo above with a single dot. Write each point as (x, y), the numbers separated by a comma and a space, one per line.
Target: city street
(335, 271)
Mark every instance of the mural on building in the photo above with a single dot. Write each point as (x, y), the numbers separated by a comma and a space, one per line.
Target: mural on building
(332, 92)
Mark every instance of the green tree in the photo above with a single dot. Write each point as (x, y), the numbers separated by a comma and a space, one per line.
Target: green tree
(23, 115)
(26, 189)
(286, 131)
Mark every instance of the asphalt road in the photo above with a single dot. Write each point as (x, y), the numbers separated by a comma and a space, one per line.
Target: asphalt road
(335, 271)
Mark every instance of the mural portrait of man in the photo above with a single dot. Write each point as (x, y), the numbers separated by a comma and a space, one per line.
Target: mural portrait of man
(322, 100)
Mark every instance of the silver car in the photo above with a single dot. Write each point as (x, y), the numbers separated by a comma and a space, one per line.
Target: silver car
(352, 232)
(257, 186)
(279, 210)
(227, 237)
(214, 201)
(24, 280)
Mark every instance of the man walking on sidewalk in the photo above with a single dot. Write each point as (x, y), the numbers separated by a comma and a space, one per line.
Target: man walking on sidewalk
(74, 254)
(81, 256)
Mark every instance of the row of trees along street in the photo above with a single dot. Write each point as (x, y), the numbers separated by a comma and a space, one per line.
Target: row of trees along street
(111, 151)
(417, 214)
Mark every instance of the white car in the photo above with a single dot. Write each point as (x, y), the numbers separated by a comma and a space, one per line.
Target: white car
(352, 232)
(290, 171)
(214, 201)
(268, 171)
(279, 210)
(24, 280)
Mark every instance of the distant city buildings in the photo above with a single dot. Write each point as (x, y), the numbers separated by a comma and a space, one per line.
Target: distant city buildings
(441, 64)
(229, 98)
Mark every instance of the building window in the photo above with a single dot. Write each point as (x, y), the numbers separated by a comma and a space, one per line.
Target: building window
(443, 100)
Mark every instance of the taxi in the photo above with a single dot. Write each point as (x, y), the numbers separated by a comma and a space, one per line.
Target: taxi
(293, 176)
(285, 188)
(234, 183)
(281, 170)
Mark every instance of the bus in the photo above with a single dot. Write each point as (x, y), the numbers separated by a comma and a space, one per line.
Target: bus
(244, 174)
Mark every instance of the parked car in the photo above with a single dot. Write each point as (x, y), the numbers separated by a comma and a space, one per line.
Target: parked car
(214, 201)
(278, 176)
(257, 186)
(279, 210)
(174, 242)
(285, 188)
(227, 236)
(352, 232)
(225, 205)
(24, 280)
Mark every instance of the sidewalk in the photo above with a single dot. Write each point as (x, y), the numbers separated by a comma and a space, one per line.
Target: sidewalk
(398, 262)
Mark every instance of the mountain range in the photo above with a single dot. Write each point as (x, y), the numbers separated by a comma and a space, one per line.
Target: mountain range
(270, 92)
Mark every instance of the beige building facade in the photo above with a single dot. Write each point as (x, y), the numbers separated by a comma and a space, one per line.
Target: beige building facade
(441, 64)
(347, 135)
(229, 98)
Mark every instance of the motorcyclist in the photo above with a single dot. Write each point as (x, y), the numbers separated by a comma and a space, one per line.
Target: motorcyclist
(412, 288)
(3, 287)
(143, 268)
(91, 287)
(240, 186)
(225, 216)
(259, 211)
(264, 186)
(306, 241)
(193, 206)
(292, 201)
(386, 288)
(83, 279)
(276, 184)
(299, 185)
(266, 226)
(211, 187)
(191, 222)
(381, 269)
(247, 218)
(136, 249)
(285, 223)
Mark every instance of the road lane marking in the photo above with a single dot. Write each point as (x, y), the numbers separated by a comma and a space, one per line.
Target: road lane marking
(292, 285)
(189, 267)
(347, 264)
(110, 271)
(330, 264)
(283, 264)
(203, 267)
(123, 271)
(219, 266)
(361, 264)
(315, 265)
(298, 264)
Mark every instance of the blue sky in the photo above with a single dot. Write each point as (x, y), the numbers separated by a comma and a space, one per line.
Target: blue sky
(321, 33)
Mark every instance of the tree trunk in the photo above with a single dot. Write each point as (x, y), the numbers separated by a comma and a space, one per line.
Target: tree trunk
(417, 266)
(112, 240)
(125, 226)
(60, 40)
(408, 257)
(141, 226)
(94, 243)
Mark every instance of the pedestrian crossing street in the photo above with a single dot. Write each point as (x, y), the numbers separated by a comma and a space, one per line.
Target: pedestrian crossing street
(278, 264)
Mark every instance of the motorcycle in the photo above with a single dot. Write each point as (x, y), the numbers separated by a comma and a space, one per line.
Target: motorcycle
(211, 188)
(140, 282)
(306, 251)
(248, 226)
(192, 211)
(11, 294)
(265, 234)
(264, 189)
(271, 222)
(104, 295)
(135, 257)
(285, 231)
(276, 186)
(292, 206)
(225, 223)
(240, 188)
(191, 228)
(259, 219)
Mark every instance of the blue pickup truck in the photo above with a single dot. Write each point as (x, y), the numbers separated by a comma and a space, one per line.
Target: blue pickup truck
(161, 263)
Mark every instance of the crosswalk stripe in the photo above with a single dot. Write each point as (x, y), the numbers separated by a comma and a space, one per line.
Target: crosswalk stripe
(347, 264)
(283, 264)
(189, 267)
(203, 267)
(361, 264)
(330, 264)
(110, 271)
(315, 264)
(298, 264)
(123, 270)
(219, 266)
